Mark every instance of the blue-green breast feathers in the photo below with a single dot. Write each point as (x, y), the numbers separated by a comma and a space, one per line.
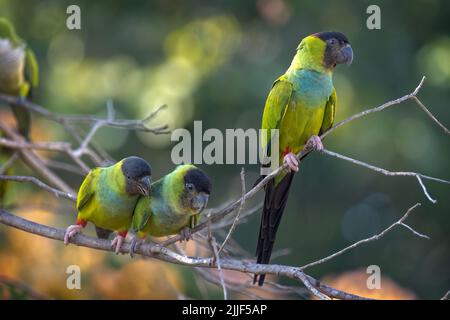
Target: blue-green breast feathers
(311, 88)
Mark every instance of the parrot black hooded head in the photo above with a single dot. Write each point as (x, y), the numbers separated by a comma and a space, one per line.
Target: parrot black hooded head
(137, 173)
(338, 49)
(195, 187)
(323, 51)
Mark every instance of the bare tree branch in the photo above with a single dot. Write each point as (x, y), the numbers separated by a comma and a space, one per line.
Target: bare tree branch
(9, 163)
(446, 296)
(137, 125)
(412, 95)
(400, 222)
(40, 184)
(432, 117)
(241, 206)
(165, 254)
(213, 244)
(418, 176)
(35, 161)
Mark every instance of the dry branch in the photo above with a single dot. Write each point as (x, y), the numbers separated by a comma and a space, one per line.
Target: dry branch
(165, 254)
(400, 222)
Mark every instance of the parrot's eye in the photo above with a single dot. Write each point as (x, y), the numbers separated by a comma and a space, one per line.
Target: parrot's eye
(333, 41)
(190, 186)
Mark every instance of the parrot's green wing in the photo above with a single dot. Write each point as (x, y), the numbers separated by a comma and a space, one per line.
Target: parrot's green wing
(275, 108)
(86, 191)
(142, 213)
(330, 111)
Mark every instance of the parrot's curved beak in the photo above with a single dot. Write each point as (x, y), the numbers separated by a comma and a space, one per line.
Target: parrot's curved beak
(200, 201)
(145, 185)
(345, 55)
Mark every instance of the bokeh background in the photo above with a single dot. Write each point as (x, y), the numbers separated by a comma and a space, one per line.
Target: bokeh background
(215, 61)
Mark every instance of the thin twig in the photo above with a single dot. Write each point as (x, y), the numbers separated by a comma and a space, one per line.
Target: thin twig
(238, 288)
(9, 163)
(138, 125)
(46, 146)
(446, 296)
(400, 222)
(241, 206)
(213, 244)
(418, 176)
(40, 184)
(412, 95)
(63, 166)
(432, 117)
(34, 161)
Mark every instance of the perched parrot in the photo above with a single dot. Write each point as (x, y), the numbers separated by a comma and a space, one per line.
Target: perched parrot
(108, 197)
(174, 205)
(301, 105)
(19, 72)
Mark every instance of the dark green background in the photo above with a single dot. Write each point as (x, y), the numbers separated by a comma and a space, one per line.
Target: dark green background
(332, 203)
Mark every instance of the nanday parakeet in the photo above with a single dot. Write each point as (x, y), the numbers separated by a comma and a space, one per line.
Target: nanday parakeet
(301, 105)
(108, 197)
(174, 205)
(19, 72)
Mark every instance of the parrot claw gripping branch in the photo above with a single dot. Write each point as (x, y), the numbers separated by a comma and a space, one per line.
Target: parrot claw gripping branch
(121, 196)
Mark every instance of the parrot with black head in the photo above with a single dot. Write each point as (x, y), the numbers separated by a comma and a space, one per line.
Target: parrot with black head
(174, 205)
(108, 197)
(301, 105)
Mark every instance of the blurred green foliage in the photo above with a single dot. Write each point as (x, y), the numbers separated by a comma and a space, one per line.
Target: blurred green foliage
(215, 61)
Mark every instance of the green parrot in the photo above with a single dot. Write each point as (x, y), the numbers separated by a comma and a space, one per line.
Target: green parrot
(19, 72)
(301, 105)
(174, 205)
(108, 197)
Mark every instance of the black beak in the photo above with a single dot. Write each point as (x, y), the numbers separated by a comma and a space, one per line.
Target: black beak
(345, 55)
(200, 202)
(145, 185)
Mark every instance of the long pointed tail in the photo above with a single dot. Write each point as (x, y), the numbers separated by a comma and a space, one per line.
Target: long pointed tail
(23, 118)
(274, 203)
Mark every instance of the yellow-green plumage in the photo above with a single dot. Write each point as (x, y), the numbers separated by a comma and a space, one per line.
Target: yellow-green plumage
(167, 211)
(103, 201)
(108, 196)
(301, 104)
(19, 71)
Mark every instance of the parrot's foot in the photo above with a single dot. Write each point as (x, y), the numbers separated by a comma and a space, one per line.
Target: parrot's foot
(292, 162)
(315, 143)
(117, 242)
(186, 234)
(71, 231)
(135, 245)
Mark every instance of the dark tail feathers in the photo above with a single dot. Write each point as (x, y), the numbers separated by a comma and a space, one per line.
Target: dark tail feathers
(23, 118)
(102, 233)
(274, 203)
